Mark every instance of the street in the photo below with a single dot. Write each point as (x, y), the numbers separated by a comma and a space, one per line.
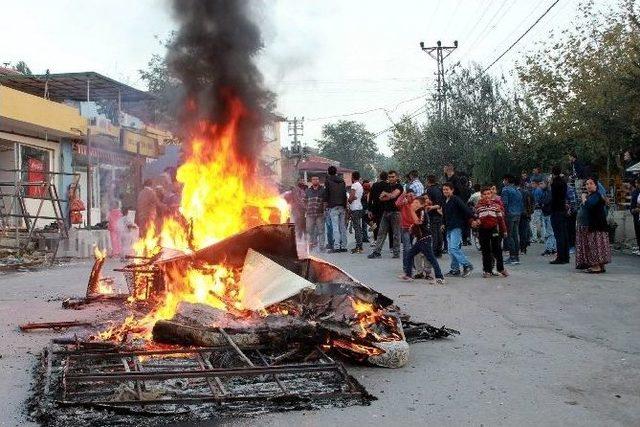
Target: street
(546, 346)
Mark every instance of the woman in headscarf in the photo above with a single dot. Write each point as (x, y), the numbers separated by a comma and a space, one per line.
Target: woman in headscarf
(592, 238)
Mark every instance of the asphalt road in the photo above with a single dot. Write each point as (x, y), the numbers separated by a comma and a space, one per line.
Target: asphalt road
(546, 346)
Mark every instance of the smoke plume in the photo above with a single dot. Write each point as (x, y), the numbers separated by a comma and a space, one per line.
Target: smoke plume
(213, 55)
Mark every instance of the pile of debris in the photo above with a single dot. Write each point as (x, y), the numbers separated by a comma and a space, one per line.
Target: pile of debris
(14, 259)
(278, 349)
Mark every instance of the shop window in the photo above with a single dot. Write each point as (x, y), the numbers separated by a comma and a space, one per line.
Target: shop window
(35, 164)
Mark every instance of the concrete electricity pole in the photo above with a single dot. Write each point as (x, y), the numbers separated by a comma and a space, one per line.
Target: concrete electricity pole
(296, 130)
(440, 53)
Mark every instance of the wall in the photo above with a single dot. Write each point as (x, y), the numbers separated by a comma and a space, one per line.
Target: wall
(26, 108)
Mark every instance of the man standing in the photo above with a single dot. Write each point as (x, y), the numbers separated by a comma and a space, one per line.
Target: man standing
(436, 197)
(579, 170)
(537, 226)
(366, 187)
(513, 207)
(545, 207)
(456, 213)
(414, 183)
(335, 196)
(559, 216)
(355, 206)
(298, 207)
(375, 205)
(452, 178)
(390, 216)
(315, 206)
(148, 209)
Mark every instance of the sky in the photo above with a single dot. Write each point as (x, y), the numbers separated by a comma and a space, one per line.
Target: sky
(326, 59)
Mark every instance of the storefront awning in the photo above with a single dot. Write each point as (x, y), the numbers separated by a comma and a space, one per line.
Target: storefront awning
(75, 87)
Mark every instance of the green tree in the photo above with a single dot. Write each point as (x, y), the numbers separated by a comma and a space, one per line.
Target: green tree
(351, 144)
(586, 82)
(23, 68)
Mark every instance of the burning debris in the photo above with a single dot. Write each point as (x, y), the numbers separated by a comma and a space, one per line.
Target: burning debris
(255, 328)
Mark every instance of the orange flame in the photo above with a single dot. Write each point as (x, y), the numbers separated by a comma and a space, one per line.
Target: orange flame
(222, 194)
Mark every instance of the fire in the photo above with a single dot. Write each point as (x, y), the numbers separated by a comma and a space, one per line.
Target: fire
(98, 254)
(222, 194)
(370, 319)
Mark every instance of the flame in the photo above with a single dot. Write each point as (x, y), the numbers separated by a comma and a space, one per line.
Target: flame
(222, 195)
(106, 287)
(370, 320)
(98, 254)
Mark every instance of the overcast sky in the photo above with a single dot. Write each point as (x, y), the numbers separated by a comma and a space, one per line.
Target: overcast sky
(323, 58)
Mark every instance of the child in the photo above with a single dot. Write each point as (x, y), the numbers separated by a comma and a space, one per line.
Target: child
(489, 219)
(128, 233)
(113, 219)
(421, 230)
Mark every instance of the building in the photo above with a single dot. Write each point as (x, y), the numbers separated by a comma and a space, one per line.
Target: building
(294, 168)
(76, 127)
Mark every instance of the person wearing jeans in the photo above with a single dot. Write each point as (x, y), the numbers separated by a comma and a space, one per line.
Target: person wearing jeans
(423, 244)
(455, 214)
(339, 224)
(549, 238)
(335, 195)
(355, 207)
(315, 214)
(513, 206)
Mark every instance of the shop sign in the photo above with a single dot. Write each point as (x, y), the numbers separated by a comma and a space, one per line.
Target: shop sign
(138, 143)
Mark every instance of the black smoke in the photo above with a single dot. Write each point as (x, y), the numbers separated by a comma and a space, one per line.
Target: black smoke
(213, 55)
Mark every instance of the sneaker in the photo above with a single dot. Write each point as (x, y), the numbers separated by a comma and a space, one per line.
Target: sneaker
(373, 255)
(516, 261)
(419, 276)
(504, 273)
(572, 251)
(486, 275)
(356, 250)
(342, 250)
(440, 282)
(466, 270)
(405, 278)
(429, 277)
(396, 256)
(453, 273)
(333, 251)
(372, 245)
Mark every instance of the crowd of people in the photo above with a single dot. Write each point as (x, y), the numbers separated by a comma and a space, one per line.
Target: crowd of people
(567, 212)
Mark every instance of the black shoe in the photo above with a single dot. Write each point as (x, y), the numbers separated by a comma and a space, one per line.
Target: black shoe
(557, 262)
(342, 250)
(466, 270)
(374, 255)
(419, 276)
(333, 251)
(454, 273)
(396, 255)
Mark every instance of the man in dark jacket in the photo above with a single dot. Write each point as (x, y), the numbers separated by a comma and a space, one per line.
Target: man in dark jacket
(455, 213)
(375, 205)
(335, 196)
(390, 219)
(559, 216)
(435, 195)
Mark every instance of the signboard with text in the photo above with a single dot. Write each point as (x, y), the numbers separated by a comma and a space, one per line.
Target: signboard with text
(135, 142)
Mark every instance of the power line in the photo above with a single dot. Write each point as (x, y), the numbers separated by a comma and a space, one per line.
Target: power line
(521, 37)
(357, 113)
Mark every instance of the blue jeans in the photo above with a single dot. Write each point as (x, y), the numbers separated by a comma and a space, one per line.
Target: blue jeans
(537, 221)
(425, 247)
(405, 238)
(513, 236)
(337, 214)
(454, 241)
(329, 233)
(549, 238)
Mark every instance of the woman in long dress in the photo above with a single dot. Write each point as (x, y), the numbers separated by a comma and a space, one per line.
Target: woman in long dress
(593, 250)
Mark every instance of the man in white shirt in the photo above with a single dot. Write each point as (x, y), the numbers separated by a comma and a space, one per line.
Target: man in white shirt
(355, 206)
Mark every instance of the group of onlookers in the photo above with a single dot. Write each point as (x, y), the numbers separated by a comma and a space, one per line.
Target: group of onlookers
(565, 212)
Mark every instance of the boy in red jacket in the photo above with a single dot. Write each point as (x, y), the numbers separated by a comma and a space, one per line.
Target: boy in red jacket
(489, 219)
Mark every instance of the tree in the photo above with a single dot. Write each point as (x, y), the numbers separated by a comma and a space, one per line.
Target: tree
(23, 68)
(585, 80)
(351, 144)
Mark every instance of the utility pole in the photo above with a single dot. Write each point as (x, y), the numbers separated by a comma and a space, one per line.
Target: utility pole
(296, 130)
(440, 53)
